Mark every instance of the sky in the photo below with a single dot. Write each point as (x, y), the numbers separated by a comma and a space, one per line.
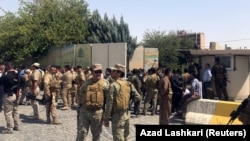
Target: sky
(223, 21)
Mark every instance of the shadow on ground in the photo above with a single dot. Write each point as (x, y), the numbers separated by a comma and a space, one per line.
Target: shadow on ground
(29, 119)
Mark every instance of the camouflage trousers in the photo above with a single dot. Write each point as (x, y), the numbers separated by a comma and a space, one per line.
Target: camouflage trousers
(89, 120)
(151, 96)
(11, 111)
(120, 129)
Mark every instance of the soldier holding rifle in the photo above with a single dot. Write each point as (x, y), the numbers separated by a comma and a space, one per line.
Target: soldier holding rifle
(50, 95)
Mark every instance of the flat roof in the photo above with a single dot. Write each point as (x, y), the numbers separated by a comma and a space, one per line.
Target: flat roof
(199, 52)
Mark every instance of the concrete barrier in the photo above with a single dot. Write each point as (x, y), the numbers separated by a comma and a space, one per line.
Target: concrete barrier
(210, 112)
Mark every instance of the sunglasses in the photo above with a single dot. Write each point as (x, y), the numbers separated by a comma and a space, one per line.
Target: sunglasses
(98, 71)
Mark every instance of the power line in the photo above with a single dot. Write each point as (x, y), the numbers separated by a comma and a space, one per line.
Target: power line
(234, 40)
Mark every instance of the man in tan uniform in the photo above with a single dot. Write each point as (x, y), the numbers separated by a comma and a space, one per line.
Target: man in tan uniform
(87, 72)
(50, 95)
(35, 78)
(26, 86)
(91, 105)
(118, 103)
(58, 83)
(73, 92)
(80, 79)
(66, 87)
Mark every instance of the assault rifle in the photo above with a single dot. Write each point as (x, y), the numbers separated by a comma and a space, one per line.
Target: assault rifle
(235, 113)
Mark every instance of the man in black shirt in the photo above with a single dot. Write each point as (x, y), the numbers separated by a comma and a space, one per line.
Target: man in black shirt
(10, 85)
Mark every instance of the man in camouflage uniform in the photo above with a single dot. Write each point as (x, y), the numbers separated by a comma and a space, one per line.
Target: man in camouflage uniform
(151, 92)
(118, 104)
(135, 80)
(67, 79)
(91, 105)
(49, 90)
(79, 80)
(9, 81)
(36, 79)
(220, 79)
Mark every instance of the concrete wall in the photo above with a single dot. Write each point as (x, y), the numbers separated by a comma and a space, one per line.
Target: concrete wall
(137, 60)
(211, 112)
(239, 87)
(107, 54)
(144, 58)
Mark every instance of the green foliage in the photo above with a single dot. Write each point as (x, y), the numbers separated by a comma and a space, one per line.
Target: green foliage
(38, 26)
(104, 30)
(168, 46)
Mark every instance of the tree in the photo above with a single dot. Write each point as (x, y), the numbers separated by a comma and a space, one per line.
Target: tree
(13, 38)
(39, 26)
(168, 45)
(103, 30)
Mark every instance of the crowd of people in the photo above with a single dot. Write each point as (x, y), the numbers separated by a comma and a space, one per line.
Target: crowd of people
(103, 97)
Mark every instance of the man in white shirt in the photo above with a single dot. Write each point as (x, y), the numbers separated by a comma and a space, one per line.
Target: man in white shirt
(206, 79)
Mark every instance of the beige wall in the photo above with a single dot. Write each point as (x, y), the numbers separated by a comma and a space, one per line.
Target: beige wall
(106, 54)
(144, 58)
(136, 60)
(239, 87)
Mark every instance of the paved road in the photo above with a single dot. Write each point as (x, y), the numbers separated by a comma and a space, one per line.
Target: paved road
(40, 131)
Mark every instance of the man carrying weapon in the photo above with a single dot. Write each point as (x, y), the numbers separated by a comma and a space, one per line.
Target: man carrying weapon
(49, 89)
(242, 112)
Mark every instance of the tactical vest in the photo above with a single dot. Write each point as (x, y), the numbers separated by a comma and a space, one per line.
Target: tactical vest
(94, 97)
(153, 82)
(121, 100)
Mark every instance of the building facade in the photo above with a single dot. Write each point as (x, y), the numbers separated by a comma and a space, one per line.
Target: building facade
(198, 38)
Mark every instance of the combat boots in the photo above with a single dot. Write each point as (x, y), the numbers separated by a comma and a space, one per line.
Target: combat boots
(48, 121)
(7, 131)
(56, 121)
(153, 112)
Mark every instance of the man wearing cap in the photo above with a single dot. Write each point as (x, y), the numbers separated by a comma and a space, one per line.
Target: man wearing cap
(50, 94)
(151, 86)
(91, 105)
(80, 79)
(26, 88)
(120, 92)
(9, 80)
(36, 79)
(67, 79)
